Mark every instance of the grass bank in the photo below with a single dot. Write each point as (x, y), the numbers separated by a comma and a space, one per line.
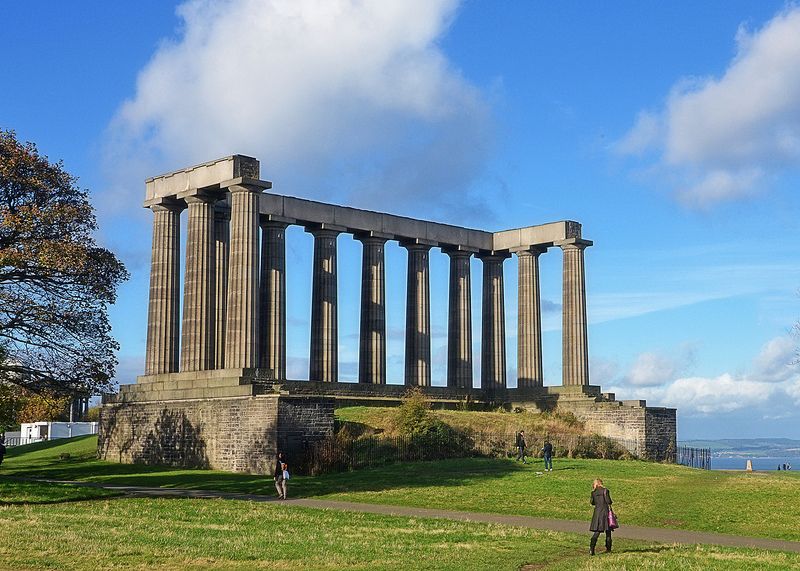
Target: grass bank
(644, 493)
(99, 532)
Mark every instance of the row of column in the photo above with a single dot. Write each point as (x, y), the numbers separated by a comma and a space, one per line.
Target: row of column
(235, 316)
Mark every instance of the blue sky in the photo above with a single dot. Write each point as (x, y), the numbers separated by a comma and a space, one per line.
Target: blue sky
(671, 131)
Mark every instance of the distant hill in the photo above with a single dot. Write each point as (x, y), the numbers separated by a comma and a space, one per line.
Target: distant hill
(754, 447)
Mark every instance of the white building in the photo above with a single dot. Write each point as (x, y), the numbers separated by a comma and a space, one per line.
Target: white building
(36, 431)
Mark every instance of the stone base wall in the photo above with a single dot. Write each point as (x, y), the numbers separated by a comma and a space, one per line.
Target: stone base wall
(239, 434)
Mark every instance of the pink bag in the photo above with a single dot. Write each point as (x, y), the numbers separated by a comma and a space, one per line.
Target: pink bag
(612, 517)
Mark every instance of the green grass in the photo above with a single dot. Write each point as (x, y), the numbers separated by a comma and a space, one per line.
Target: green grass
(177, 534)
(646, 494)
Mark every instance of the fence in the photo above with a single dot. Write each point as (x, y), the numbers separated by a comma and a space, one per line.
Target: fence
(694, 457)
(342, 453)
(20, 440)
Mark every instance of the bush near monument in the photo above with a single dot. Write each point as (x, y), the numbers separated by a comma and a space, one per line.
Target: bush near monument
(55, 281)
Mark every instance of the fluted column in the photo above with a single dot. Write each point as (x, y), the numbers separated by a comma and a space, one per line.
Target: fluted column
(575, 366)
(418, 317)
(273, 298)
(529, 320)
(197, 328)
(493, 325)
(163, 311)
(372, 333)
(459, 321)
(324, 358)
(241, 331)
(222, 223)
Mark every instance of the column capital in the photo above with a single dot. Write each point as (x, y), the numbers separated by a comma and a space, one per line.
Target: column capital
(162, 204)
(372, 237)
(493, 255)
(245, 184)
(273, 221)
(196, 195)
(529, 250)
(573, 243)
(417, 244)
(324, 230)
(459, 251)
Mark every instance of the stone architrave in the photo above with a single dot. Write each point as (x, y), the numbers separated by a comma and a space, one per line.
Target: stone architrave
(222, 223)
(529, 320)
(575, 367)
(273, 298)
(197, 329)
(324, 353)
(372, 332)
(459, 321)
(493, 325)
(163, 311)
(418, 316)
(241, 331)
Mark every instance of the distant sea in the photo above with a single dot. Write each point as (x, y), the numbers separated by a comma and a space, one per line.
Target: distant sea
(740, 462)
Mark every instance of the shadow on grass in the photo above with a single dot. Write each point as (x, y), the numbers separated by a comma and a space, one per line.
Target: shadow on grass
(56, 501)
(442, 473)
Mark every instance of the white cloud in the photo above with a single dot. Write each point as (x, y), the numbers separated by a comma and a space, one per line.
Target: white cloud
(722, 137)
(656, 377)
(330, 95)
(775, 362)
(651, 369)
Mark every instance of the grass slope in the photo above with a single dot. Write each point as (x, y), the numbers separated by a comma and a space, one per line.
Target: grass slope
(644, 493)
(178, 534)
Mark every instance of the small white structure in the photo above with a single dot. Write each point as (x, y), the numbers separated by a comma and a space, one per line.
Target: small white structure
(36, 431)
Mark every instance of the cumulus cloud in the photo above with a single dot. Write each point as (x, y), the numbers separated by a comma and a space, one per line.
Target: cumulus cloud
(662, 380)
(725, 137)
(339, 99)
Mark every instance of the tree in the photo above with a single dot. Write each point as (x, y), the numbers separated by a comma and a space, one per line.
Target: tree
(55, 282)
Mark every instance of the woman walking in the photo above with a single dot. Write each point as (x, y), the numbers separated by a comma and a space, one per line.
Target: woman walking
(601, 500)
(280, 481)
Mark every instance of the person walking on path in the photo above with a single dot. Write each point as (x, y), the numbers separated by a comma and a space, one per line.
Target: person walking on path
(601, 500)
(521, 446)
(280, 481)
(547, 451)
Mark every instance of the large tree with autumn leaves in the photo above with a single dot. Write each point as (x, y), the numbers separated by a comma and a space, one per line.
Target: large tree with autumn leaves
(55, 281)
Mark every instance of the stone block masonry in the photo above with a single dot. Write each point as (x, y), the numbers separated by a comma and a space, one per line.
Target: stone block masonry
(240, 434)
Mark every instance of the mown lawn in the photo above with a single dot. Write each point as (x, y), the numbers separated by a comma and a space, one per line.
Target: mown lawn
(644, 493)
(176, 534)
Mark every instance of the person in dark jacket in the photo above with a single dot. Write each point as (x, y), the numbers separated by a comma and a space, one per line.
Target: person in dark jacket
(547, 452)
(521, 446)
(601, 500)
(280, 482)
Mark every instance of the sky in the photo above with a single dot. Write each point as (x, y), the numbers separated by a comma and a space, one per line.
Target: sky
(671, 131)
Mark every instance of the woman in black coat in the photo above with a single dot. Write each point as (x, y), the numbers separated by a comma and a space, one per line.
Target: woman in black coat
(601, 500)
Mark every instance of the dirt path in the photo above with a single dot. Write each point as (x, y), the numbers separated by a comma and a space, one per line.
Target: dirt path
(570, 526)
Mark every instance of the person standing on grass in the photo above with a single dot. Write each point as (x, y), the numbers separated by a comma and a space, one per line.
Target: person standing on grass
(280, 481)
(521, 446)
(2, 449)
(601, 500)
(547, 452)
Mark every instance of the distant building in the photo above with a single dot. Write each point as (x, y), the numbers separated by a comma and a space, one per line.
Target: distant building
(38, 431)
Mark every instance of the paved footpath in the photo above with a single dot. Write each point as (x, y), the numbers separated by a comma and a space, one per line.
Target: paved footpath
(570, 526)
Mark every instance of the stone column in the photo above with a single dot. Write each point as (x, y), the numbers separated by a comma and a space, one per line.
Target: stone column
(493, 325)
(324, 358)
(222, 223)
(575, 366)
(162, 315)
(459, 322)
(372, 333)
(197, 329)
(418, 317)
(272, 343)
(529, 320)
(241, 330)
